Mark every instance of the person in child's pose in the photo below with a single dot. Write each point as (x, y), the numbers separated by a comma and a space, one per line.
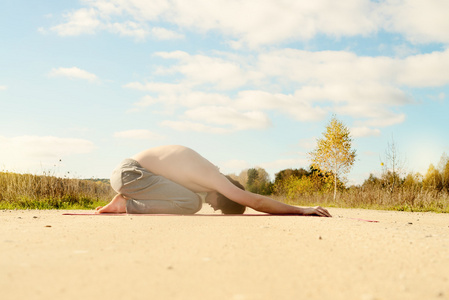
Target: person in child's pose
(166, 180)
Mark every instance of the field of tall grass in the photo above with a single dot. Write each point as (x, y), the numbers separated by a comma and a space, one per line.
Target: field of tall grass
(26, 191)
(376, 198)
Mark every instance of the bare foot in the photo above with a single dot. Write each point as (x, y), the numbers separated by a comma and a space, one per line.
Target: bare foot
(117, 205)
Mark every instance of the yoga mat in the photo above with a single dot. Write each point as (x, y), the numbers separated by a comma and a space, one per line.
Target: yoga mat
(200, 215)
(125, 214)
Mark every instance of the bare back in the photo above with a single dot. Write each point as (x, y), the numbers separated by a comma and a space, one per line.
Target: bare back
(181, 165)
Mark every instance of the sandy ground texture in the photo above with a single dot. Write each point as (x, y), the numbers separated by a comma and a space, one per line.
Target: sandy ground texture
(48, 255)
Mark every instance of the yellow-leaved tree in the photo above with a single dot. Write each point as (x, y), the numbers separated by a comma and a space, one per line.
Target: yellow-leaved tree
(333, 152)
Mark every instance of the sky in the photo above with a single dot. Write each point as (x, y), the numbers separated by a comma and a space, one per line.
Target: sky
(87, 83)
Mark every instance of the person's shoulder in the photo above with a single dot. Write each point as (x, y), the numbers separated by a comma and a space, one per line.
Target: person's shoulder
(175, 148)
(167, 149)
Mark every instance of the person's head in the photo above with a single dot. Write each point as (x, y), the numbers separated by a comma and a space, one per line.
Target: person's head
(227, 206)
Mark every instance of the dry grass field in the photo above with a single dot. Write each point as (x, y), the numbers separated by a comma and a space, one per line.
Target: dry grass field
(26, 191)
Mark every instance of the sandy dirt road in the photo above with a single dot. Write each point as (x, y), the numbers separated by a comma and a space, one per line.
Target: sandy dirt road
(48, 255)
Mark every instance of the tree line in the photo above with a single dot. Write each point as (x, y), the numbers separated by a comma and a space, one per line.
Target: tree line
(323, 182)
(297, 182)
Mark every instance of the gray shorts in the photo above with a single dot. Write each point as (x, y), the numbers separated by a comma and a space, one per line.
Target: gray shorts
(149, 193)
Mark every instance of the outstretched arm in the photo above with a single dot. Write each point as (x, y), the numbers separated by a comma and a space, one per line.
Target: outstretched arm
(262, 203)
(265, 204)
(206, 175)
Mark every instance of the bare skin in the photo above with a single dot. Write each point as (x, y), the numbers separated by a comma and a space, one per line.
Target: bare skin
(117, 205)
(189, 169)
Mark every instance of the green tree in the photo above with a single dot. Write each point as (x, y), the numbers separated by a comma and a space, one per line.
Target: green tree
(286, 173)
(253, 176)
(372, 181)
(333, 153)
(258, 181)
(432, 180)
(412, 181)
(285, 178)
(443, 167)
(294, 187)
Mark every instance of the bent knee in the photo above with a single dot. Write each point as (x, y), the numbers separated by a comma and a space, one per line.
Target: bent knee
(116, 185)
(192, 206)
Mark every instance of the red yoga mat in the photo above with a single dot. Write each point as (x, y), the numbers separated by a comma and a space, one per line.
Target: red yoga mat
(200, 215)
(125, 214)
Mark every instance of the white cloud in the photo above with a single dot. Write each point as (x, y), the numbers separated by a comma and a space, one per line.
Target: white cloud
(81, 21)
(172, 99)
(187, 126)
(221, 73)
(73, 73)
(244, 23)
(127, 18)
(361, 87)
(173, 55)
(404, 50)
(368, 89)
(165, 34)
(364, 131)
(424, 70)
(338, 75)
(3, 87)
(367, 93)
(106, 7)
(227, 116)
(146, 101)
(421, 21)
(291, 105)
(371, 115)
(388, 119)
(194, 99)
(160, 87)
(219, 120)
(33, 151)
(326, 67)
(138, 134)
(130, 28)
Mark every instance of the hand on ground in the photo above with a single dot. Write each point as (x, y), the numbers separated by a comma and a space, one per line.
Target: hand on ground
(316, 211)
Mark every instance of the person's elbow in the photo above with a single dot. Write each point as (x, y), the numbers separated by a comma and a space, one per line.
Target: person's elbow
(257, 203)
(248, 199)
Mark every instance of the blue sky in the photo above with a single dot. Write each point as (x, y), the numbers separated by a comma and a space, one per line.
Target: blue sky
(84, 84)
